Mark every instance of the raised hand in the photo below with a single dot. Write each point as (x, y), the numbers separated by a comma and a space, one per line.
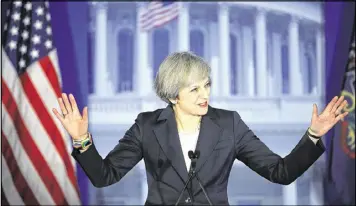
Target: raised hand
(70, 117)
(321, 124)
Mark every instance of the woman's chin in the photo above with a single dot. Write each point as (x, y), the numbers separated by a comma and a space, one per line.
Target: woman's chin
(201, 111)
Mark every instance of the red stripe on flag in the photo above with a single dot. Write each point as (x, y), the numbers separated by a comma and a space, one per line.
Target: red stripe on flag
(152, 18)
(48, 69)
(161, 12)
(19, 181)
(50, 127)
(30, 147)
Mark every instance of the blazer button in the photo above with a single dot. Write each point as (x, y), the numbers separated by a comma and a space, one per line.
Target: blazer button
(188, 200)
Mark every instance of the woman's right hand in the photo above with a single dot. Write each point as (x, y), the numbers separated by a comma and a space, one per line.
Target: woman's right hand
(70, 117)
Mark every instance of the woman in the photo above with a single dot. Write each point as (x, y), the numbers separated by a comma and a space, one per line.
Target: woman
(164, 137)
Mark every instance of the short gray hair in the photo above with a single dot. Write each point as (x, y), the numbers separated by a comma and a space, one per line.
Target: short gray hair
(179, 70)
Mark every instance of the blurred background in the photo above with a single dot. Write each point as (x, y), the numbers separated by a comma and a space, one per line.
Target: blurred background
(271, 61)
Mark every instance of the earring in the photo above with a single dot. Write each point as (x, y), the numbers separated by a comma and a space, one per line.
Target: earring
(174, 102)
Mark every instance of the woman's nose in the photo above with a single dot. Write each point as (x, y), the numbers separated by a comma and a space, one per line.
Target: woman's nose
(204, 93)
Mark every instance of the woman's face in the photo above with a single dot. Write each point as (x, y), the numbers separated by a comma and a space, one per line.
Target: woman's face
(194, 99)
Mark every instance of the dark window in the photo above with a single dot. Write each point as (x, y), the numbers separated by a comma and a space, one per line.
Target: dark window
(285, 69)
(160, 48)
(125, 61)
(197, 42)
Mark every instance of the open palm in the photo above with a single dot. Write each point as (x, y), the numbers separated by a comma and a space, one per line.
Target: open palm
(321, 124)
(70, 117)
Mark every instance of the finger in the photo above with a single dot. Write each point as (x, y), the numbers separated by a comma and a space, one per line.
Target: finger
(58, 115)
(337, 104)
(66, 103)
(331, 104)
(341, 116)
(344, 104)
(315, 111)
(85, 113)
(341, 107)
(74, 103)
(61, 105)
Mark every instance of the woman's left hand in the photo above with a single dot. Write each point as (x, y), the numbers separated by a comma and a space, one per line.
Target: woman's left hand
(321, 124)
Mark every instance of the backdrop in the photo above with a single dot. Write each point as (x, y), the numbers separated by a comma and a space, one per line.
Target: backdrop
(270, 62)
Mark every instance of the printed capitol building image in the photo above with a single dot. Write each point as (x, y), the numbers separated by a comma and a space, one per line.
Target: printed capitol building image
(267, 58)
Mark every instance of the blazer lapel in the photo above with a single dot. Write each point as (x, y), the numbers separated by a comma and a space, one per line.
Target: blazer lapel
(167, 135)
(209, 136)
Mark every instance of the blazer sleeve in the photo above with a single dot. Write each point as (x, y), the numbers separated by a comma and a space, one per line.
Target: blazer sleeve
(257, 156)
(120, 160)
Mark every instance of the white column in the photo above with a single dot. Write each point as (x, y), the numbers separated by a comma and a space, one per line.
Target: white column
(270, 72)
(316, 184)
(295, 77)
(183, 27)
(277, 63)
(316, 192)
(214, 58)
(144, 186)
(215, 75)
(113, 72)
(224, 49)
(290, 194)
(240, 60)
(248, 65)
(261, 48)
(143, 75)
(102, 85)
(237, 68)
(320, 60)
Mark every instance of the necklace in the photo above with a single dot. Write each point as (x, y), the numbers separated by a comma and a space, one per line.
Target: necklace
(197, 128)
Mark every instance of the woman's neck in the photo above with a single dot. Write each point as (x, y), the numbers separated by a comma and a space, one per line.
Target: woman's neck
(186, 123)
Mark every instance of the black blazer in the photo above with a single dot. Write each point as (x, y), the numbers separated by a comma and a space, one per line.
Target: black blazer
(223, 138)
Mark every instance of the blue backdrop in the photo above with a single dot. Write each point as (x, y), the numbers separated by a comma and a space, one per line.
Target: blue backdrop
(70, 33)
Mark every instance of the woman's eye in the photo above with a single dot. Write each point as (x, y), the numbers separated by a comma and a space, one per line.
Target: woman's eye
(207, 85)
(194, 90)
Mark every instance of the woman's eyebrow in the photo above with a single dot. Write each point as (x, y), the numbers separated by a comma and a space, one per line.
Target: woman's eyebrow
(196, 84)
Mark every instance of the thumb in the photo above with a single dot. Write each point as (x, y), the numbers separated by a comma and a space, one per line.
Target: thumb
(315, 111)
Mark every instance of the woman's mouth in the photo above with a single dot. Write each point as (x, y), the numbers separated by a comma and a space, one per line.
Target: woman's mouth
(205, 104)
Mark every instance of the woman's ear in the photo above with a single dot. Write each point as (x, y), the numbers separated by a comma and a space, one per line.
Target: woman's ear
(173, 101)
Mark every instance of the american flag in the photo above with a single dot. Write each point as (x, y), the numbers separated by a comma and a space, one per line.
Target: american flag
(35, 152)
(158, 13)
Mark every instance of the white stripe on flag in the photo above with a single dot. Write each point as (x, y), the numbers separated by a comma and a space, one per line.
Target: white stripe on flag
(10, 190)
(159, 18)
(147, 15)
(24, 163)
(53, 57)
(39, 134)
(48, 96)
